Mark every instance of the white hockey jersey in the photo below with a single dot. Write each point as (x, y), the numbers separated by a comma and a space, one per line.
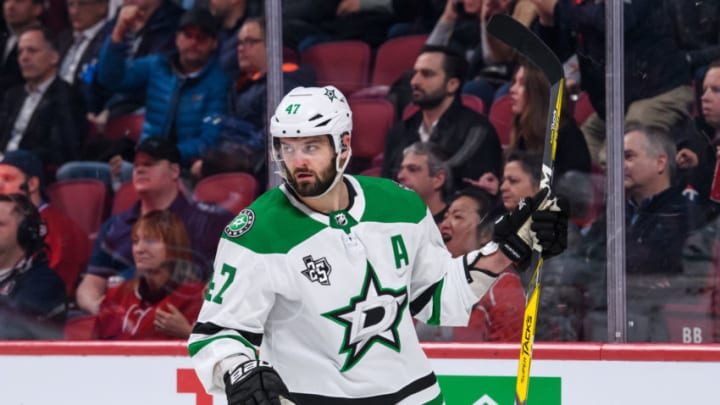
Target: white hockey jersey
(328, 299)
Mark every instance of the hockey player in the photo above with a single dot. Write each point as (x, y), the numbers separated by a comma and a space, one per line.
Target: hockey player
(316, 282)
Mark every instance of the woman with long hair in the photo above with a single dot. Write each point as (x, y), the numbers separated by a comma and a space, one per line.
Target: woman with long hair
(164, 298)
(530, 99)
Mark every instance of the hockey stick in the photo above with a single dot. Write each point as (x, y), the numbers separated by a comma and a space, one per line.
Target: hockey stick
(517, 36)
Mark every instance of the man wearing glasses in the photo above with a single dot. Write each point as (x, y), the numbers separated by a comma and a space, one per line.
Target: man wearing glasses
(246, 125)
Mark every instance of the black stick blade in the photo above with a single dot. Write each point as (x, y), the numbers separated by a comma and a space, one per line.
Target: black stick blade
(517, 36)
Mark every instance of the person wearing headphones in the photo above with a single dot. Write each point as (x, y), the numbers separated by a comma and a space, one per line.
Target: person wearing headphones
(32, 297)
(67, 246)
(316, 283)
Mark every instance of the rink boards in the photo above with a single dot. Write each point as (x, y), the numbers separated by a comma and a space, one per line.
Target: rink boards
(79, 373)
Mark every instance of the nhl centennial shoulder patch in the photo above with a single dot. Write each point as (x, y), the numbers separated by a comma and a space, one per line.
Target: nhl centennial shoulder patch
(241, 224)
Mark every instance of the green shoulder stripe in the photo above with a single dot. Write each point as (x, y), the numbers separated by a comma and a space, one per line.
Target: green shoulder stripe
(195, 347)
(271, 225)
(387, 201)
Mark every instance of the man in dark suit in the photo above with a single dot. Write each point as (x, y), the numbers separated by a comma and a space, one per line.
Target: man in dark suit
(18, 15)
(80, 46)
(43, 115)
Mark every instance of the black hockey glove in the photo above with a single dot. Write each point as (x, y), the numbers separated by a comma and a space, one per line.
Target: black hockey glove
(517, 236)
(551, 229)
(254, 382)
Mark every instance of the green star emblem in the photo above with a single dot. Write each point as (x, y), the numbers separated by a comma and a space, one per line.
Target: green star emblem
(371, 317)
(241, 224)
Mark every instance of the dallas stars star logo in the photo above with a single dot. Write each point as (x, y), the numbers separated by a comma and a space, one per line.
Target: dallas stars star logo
(373, 316)
(330, 93)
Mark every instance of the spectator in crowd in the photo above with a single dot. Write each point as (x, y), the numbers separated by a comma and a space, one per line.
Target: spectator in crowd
(468, 137)
(150, 30)
(67, 246)
(695, 141)
(243, 132)
(232, 15)
(80, 45)
(562, 304)
(696, 31)
(468, 221)
(529, 102)
(186, 92)
(163, 299)
(658, 213)
(497, 317)
(156, 175)
(415, 17)
(424, 171)
(657, 75)
(710, 102)
(32, 297)
(490, 61)
(709, 128)
(43, 115)
(18, 15)
(521, 178)
(656, 228)
(182, 90)
(309, 23)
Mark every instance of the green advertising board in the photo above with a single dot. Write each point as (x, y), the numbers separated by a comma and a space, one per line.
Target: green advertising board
(481, 390)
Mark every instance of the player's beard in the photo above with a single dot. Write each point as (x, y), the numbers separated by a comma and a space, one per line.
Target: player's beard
(321, 182)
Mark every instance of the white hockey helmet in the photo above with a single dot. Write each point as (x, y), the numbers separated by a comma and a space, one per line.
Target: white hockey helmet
(313, 111)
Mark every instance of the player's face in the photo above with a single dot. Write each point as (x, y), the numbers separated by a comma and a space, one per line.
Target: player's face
(149, 253)
(518, 99)
(415, 175)
(151, 175)
(310, 163)
(641, 169)
(11, 179)
(459, 228)
(429, 82)
(516, 185)
(711, 97)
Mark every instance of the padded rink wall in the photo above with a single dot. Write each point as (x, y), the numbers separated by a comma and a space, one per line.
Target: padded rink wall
(155, 373)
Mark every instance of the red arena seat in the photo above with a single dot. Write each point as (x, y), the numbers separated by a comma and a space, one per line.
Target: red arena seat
(233, 191)
(344, 64)
(83, 200)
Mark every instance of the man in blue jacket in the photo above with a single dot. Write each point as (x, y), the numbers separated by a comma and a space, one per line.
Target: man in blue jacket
(184, 90)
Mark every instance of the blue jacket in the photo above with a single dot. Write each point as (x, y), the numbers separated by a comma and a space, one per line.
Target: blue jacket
(198, 98)
(156, 36)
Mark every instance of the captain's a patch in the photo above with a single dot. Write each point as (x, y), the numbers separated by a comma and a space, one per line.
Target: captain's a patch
(241, 224)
